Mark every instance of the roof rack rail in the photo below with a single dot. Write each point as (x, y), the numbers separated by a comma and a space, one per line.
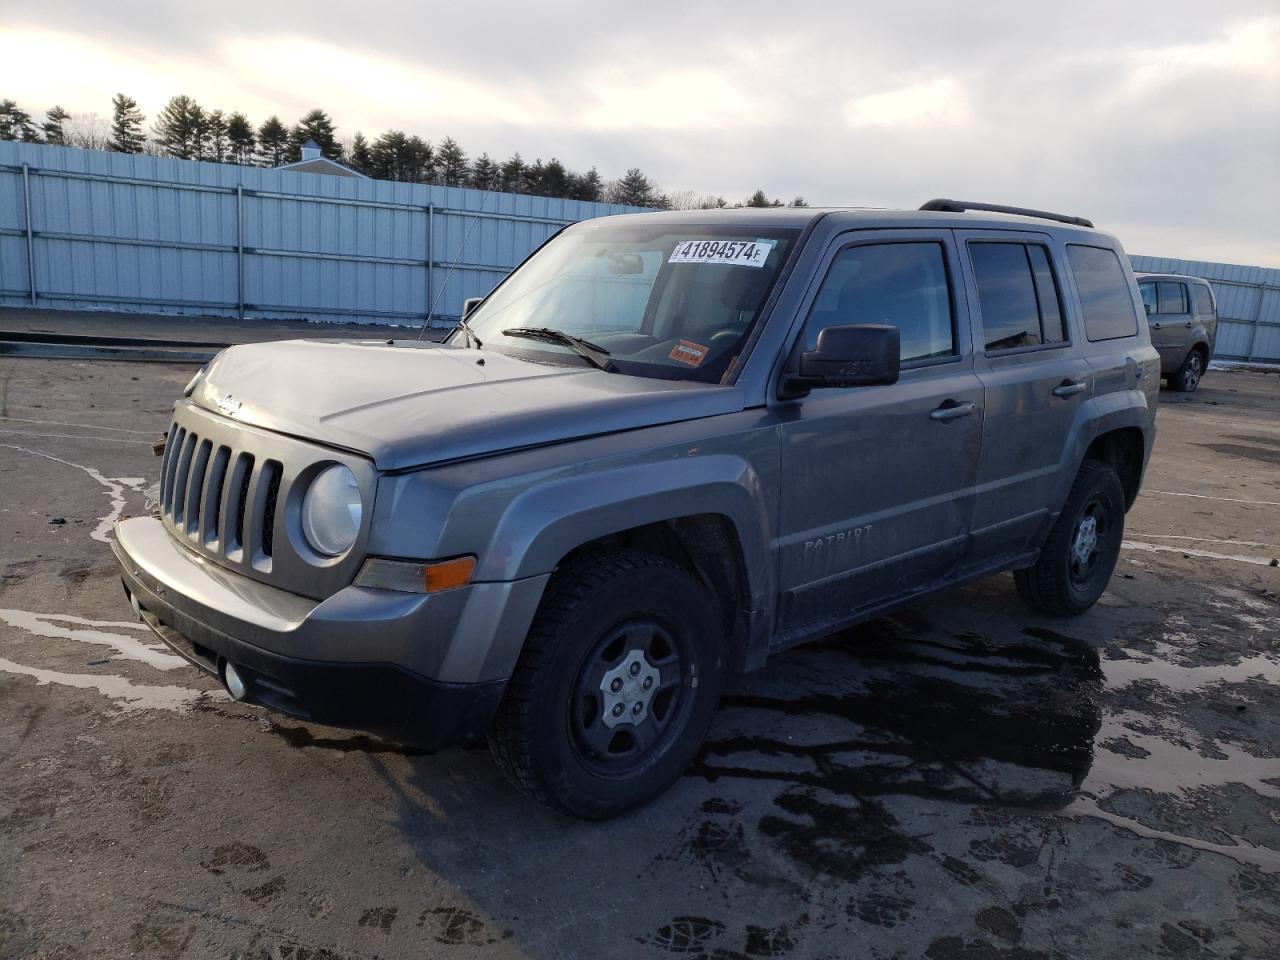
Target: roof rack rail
(960, 206)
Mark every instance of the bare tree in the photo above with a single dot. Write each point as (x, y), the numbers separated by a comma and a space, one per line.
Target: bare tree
(88, 131)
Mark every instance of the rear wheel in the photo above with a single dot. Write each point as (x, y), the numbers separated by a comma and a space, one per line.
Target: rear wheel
(616, 686)
(1080, 553)
(1188, 376)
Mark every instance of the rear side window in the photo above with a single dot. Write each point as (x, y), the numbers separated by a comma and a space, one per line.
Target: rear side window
(1173, 297)
(1103, 285)
(1017, 294)
(902, 284)
(1204, 302)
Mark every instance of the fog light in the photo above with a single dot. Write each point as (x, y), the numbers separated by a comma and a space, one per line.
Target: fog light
(235, 682)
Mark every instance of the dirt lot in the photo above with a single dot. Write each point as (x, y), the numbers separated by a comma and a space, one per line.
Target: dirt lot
(962, 780)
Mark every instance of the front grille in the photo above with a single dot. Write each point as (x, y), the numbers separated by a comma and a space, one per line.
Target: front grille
(225, 492)
(220, 499)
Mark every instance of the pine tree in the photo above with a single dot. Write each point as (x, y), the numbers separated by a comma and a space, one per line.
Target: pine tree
(757, 199)
(15, 123)
(273, 142)
(512, 175)
(214, 141)
(420, 160)
(318, 126)
(451, 163)
(240, 139)
(54, 118)
(533, 177)
(126, 125)
(798, 202)
(555, 179)
(588, 186)
(359, 157)
(635, 189)
(485, 174)
(180, 128)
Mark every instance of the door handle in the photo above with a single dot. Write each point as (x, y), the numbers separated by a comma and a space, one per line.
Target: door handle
(1069, 388)
(1155, 326)
(951, 410)
(1188, 325)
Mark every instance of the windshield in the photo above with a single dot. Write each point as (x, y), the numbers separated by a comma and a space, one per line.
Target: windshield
(658, 299)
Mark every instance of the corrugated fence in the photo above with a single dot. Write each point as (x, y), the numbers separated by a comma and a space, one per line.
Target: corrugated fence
(1248, 304)
(96, 230)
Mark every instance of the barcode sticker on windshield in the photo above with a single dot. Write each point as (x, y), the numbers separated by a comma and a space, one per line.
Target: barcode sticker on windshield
(741, 253)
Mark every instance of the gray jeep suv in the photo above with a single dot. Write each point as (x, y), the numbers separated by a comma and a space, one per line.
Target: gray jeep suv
(666, 447)
(1183, 316)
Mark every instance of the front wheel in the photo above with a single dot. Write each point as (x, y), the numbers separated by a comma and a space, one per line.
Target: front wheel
(1188, 376)
(1080, 553)
(616, 686)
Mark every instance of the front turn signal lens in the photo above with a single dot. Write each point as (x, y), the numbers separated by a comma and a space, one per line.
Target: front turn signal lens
(410, 576)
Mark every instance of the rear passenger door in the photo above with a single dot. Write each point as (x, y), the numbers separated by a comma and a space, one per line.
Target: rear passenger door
(1035, 383)
(877, 482)
(1171, 323)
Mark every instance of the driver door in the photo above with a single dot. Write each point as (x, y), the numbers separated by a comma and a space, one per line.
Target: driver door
(878, 482)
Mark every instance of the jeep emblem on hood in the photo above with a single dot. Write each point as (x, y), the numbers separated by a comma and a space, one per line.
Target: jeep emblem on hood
(229, 405)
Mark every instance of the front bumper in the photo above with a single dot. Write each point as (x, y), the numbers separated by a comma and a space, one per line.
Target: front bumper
(427, 670)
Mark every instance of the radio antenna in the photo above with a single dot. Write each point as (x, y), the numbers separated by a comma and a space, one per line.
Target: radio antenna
(475, 218)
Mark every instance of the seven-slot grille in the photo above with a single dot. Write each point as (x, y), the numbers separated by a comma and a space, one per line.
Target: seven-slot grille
(223, 501)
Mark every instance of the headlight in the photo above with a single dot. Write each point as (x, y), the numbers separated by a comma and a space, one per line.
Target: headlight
(331, 511)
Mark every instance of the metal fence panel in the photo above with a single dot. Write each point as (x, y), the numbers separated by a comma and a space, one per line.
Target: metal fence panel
(115, 231)
(1248, 304)
(97, 230)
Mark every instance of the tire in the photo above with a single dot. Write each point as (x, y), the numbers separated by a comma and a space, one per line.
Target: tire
(1075, 565)
(610, 622)
(1190, 373)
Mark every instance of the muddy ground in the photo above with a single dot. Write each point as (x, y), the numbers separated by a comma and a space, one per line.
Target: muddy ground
(962, 780)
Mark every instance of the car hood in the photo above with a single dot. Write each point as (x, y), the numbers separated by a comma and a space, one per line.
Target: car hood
(407, 404)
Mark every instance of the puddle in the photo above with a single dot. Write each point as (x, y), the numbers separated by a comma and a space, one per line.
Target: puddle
(898, 708)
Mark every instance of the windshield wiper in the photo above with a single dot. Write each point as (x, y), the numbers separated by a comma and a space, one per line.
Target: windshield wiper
(593, 353)
(472, 339)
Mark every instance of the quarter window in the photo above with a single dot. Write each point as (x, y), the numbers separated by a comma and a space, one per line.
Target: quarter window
(902, 284)
(1204, 302)
(1173, 297)
(1017, 294)
(1105, 297)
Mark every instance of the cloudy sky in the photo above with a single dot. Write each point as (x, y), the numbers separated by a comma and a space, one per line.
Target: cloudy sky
(1161, 121)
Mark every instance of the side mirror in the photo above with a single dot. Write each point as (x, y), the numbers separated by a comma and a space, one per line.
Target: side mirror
(470, 304)
(855, 355)
(1147, 307)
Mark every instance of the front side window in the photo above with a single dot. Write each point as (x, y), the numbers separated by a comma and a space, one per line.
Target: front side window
(1105, 298)
(1173, 297)
(1204, 300)
(1017, 294)
(901, 284)
(660, 299)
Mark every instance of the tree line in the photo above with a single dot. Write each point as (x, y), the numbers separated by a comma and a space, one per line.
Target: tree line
(188, 131)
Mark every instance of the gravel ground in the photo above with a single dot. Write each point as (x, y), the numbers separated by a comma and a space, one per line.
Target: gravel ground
(960, 780)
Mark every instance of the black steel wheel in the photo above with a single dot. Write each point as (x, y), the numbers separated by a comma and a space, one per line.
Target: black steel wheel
(615, 687)
(630, 692)
(1081, 551)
